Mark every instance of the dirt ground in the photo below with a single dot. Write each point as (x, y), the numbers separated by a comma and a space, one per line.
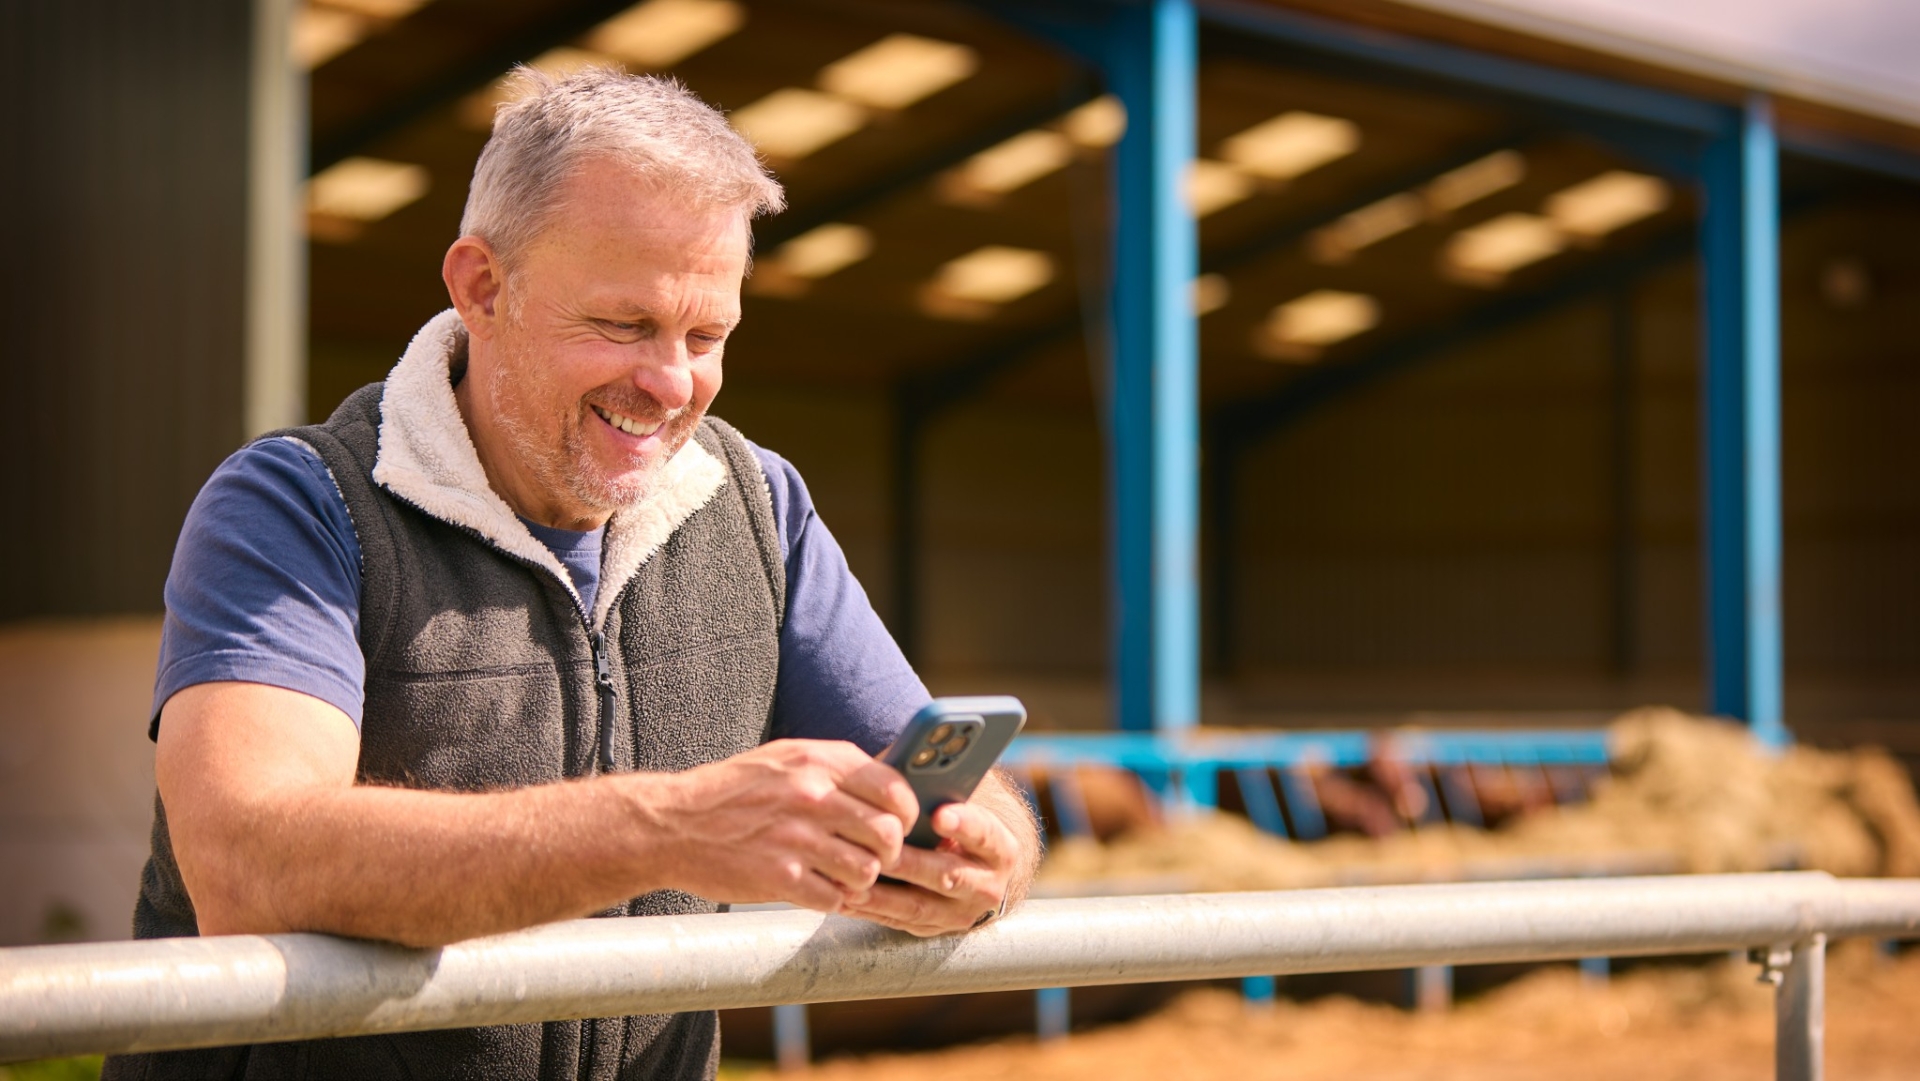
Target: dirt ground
(1656, 1023)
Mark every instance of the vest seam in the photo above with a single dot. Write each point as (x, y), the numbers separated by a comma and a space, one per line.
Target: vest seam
(766, 537)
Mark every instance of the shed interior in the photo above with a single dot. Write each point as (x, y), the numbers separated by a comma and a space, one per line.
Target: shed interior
(1459, 475)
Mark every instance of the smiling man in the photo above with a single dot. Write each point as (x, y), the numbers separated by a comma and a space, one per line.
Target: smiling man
(523, 633)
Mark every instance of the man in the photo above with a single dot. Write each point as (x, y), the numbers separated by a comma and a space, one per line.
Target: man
(523, 634)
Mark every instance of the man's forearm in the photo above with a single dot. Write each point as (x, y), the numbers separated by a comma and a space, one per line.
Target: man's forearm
(425, 868)
(272, 834)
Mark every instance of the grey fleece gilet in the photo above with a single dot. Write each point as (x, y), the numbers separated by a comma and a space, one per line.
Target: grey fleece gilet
(480, 676)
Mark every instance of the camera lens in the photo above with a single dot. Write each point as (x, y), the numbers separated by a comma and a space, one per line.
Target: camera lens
(954, 745)
(921, 757)
(940, 735)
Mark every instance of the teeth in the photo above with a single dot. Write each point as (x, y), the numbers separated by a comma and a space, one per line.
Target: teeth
(625, 423)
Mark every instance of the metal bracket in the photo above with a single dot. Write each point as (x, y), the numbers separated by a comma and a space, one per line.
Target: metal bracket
(1773, 962)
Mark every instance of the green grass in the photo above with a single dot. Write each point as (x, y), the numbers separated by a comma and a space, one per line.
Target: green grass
(85, 1068)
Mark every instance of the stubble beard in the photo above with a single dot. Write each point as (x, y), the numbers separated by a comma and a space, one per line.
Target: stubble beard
(570, 466)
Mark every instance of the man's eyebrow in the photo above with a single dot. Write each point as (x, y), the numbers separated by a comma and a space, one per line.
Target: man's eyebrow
(628, 312)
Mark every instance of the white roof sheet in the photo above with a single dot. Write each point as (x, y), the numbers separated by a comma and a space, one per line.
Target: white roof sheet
(1860, 55)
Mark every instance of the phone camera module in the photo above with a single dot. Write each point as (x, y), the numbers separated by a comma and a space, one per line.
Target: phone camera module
(923, 756)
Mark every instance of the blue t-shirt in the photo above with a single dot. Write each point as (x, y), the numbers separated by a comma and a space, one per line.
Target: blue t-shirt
(265, 588)
(578, 551)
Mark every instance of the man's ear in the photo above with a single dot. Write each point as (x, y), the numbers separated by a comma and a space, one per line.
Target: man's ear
(475, 281)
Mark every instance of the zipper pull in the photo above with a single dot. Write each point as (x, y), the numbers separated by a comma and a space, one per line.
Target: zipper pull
(603, 683)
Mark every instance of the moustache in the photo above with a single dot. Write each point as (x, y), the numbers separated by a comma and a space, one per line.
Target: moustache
(637, 404)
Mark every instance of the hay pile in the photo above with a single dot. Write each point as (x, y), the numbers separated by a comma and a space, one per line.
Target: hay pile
(1684, 794)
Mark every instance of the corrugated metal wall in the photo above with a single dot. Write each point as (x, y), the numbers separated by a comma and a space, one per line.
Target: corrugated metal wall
(123, 201)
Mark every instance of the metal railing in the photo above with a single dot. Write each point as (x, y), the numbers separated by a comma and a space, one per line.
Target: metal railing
(195, 992)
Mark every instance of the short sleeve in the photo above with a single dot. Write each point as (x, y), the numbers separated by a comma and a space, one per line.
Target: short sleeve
(265, 583)
(842, 676)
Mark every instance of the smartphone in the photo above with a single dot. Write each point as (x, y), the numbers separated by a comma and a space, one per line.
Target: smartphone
(947, 748)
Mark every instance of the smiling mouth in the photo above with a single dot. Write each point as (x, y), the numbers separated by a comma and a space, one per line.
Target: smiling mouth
(626, 423)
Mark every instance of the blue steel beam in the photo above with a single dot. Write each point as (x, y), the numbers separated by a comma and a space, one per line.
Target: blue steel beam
(1258, 797)
(1148, 53)
(1740, 253)
(920, 398)
(1158, 753)
(1154, 414)
(1303, 804)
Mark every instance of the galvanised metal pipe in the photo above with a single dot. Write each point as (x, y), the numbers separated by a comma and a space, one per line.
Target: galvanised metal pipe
(192, 992)
(1800, 1014)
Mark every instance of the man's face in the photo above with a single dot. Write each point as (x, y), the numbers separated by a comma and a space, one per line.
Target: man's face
(605, 352)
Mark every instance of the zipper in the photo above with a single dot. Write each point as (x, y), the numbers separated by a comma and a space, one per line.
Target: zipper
(603, 683)
(596, 640)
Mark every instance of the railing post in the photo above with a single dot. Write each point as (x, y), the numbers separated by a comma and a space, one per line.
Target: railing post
(1800, 1013)
(1052, 1013)
(1432, 987)
(1259, 991)
(791, 1042)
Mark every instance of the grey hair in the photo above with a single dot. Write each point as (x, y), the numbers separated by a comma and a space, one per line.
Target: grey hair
(655, 126)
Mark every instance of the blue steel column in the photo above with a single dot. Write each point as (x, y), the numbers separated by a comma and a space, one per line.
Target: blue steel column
(1155, 415)
(1741, 267)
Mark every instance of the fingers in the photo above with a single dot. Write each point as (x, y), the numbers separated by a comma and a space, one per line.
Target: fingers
(882, 786)
(801, 885)
(837, 840)
(951, 888)
(861, 823)
(914, 910)
(978, 832)
(846, 865)
(852, 771)
(939, 893)
(811, 822)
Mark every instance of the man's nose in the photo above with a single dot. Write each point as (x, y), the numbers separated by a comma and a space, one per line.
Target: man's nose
(666, 374)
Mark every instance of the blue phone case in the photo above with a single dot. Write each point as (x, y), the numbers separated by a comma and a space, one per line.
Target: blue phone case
(947, 748)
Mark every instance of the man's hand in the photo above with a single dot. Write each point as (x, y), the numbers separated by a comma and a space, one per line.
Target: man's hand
(810, 822)
(986, 859)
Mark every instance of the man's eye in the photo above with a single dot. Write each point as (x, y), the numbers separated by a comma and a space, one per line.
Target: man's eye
(624, 328)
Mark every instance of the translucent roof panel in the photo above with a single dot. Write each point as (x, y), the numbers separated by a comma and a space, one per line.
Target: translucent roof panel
(1853, 54)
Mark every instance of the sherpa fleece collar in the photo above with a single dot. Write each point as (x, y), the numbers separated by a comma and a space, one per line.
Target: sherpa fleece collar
(427, 458)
